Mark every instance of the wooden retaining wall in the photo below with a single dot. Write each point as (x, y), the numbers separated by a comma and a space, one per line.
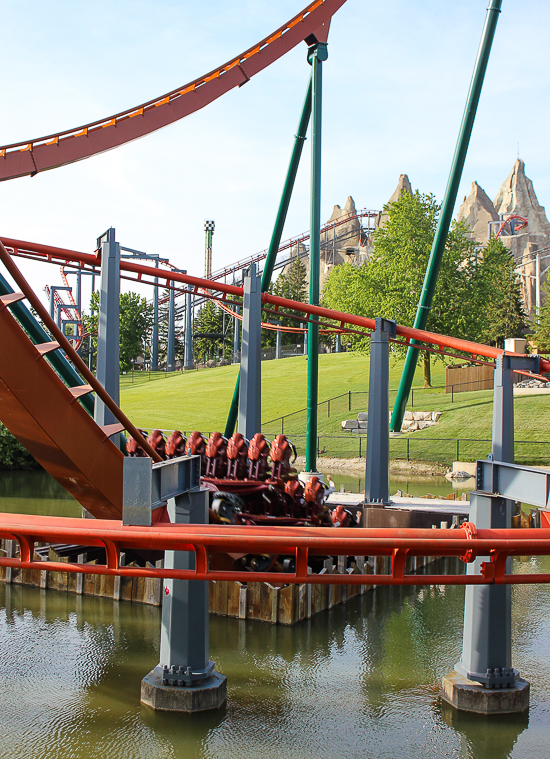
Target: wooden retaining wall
(260, 601)
(464, 379)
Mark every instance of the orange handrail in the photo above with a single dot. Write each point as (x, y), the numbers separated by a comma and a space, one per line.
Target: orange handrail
(206, 540)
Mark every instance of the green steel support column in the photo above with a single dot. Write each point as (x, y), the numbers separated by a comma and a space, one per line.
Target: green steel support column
(299, 140)
(440, 238)
(316, 55)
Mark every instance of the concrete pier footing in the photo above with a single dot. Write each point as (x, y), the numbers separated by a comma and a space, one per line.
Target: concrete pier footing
(469, 696)
(201, 697)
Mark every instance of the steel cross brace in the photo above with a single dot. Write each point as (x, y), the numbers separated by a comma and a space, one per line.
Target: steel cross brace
(514, 482)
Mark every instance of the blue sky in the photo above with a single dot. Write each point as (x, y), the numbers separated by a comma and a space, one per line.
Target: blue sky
(395, 85)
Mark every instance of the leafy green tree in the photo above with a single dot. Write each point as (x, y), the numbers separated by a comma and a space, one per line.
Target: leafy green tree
(390, 284)
(209, 320)
(541, 334)
(503, 314)
(12, 454)
(136, 321)
(291, 284)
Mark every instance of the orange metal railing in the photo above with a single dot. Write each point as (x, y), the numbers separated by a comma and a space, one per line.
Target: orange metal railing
(205, 541)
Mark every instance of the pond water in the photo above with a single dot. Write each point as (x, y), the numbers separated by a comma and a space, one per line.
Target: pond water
(360, 680)
(415, 486)
(35, 492)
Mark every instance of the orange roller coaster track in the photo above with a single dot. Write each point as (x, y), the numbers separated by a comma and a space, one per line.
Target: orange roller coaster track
(30, 157)
(147, 274)
(205, 541)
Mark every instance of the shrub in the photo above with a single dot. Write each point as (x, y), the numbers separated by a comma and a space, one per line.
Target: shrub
(12, 454)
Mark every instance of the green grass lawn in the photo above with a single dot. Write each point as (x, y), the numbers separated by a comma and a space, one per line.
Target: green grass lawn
(200, 400)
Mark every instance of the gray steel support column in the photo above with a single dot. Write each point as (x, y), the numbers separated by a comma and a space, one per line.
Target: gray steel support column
(108, 332)
(486, 645)
(250, 391)
(155, 337)
(338, 343)
(305, 341)
(278, 336)
(503, 411)
(171, 345)
(184, 633)
(188, 356)
(377, 475)
(236, 334)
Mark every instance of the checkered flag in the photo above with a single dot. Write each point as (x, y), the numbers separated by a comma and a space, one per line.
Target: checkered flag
(209, 225)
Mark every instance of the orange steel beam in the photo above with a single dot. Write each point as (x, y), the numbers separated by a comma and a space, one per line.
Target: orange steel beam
(208, 540)
(409, 333)
(54, 150)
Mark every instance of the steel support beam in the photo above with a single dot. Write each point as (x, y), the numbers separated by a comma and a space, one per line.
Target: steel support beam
(108, 332)
(440, 237)
(515, 482)
(377, 475)
(171, 343)
(184, 633)
(155, 336)
(236, 339)
(487, 639)
(188, 355)
(317, 53)
(503, 403)
(503, 411)
(250, 393)
(278, 340)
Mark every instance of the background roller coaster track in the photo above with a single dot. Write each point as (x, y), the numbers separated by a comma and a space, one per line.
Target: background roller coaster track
(30, 157)
(340, 321)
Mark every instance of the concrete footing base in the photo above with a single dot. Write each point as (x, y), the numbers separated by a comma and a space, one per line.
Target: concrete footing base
(208, 694)
(306, 476)
(469, 696)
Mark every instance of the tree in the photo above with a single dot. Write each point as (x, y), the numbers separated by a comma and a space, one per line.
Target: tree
(291, 284)
(503, 315)
(164, 316)
(209, 320)
(390, 284)
(541, 335)
(136, 321)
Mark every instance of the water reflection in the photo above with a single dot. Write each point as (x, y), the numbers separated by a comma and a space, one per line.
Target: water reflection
(35, 492)
(415, 486)
(360, 680)
(482, 736)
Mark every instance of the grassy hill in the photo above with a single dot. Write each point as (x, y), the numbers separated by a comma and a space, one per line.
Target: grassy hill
(200, 400)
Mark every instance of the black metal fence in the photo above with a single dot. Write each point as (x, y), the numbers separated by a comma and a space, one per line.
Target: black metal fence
(355, 401)
(439, 450)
